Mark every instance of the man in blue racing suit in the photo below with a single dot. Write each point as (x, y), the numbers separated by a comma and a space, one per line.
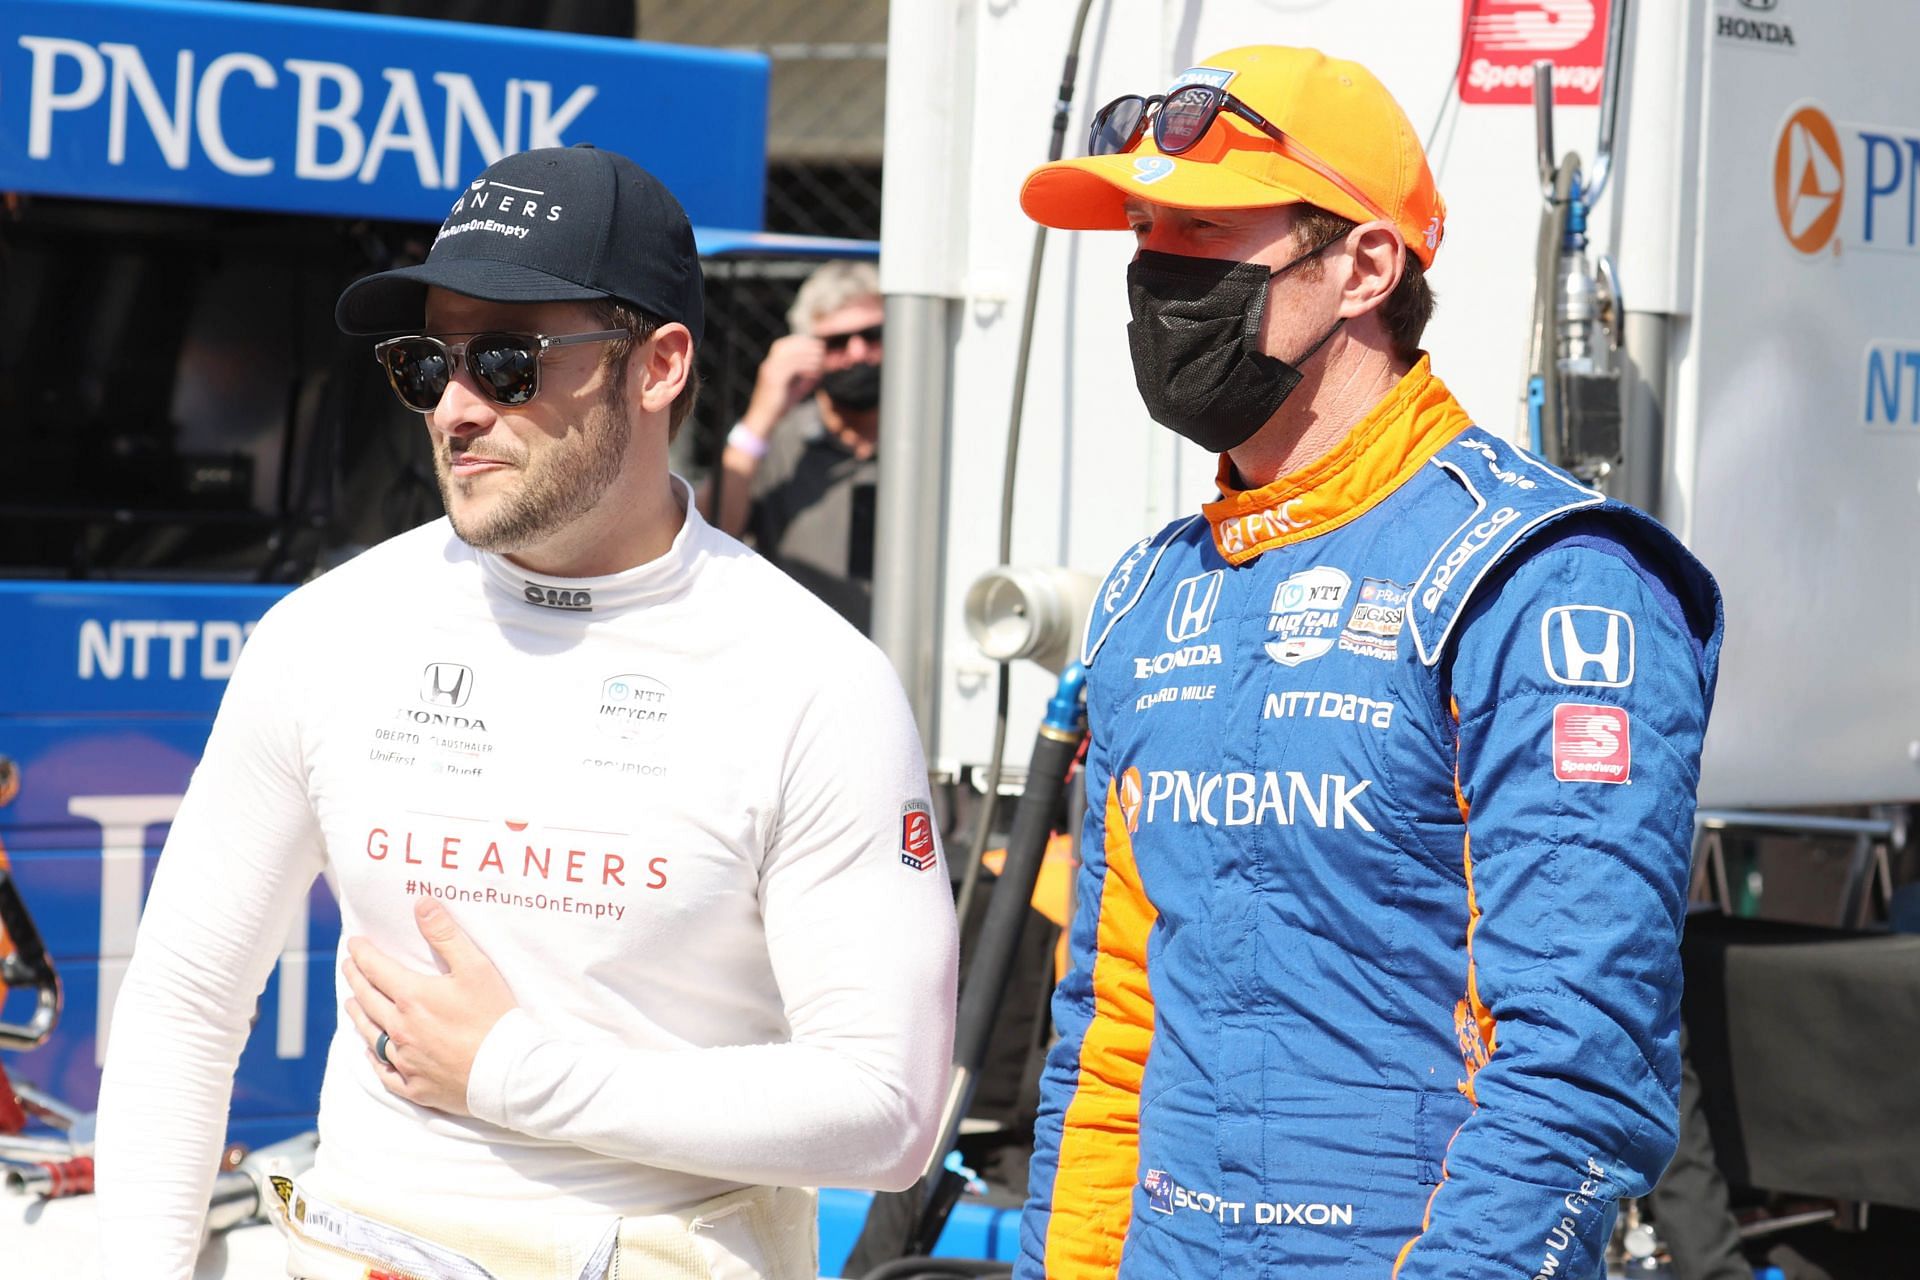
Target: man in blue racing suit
(1394, 751)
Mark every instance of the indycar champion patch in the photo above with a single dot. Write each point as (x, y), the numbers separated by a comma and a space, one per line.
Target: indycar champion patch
(916, 836)
(1591, 743)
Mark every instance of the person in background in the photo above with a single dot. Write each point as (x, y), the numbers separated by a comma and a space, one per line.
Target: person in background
(800, 464)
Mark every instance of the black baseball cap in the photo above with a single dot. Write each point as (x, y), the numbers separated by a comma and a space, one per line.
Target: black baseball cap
(558, 224)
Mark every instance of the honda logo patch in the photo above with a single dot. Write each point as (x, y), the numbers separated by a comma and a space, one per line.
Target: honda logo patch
(1584, 644)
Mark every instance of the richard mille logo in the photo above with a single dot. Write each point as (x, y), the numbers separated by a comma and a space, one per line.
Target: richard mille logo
(446, 684)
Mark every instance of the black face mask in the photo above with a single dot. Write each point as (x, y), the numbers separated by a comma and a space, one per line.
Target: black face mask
(855, 388)
(1195, 339)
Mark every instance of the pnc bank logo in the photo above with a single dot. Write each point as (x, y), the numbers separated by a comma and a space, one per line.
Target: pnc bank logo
(1130, 797)
(1809, 180)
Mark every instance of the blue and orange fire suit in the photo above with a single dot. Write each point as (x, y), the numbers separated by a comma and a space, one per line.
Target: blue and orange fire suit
(1375, 951)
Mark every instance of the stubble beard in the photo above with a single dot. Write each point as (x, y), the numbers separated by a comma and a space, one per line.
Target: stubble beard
(559, 482)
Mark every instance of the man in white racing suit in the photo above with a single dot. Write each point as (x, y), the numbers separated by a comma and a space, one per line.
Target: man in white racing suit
(644, 925)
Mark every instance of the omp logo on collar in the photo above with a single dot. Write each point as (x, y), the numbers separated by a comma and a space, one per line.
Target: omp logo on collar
(559, 597)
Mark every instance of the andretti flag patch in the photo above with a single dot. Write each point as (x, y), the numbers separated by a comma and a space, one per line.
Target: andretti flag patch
(916, 836)
(1591, 743)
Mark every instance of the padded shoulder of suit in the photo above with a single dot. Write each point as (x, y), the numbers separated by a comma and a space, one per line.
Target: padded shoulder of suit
(1126, 583)
(1513, 494)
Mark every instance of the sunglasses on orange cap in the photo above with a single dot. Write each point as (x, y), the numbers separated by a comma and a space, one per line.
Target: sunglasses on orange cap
(1181, 118)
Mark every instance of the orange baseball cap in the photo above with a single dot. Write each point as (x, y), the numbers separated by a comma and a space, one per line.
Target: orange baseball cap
(1350, 150)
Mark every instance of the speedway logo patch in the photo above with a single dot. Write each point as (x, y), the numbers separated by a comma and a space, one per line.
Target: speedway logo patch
(1591, 743)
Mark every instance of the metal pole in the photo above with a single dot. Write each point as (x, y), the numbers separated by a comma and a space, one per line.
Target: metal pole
(907, 537)
(923, 267)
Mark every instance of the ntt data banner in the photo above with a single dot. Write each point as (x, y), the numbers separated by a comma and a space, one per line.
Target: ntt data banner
(305, 111)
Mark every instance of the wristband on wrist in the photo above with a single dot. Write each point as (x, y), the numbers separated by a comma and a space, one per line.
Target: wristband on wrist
(747, 441)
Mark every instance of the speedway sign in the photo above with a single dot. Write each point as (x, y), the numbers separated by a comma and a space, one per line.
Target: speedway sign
(305, 111)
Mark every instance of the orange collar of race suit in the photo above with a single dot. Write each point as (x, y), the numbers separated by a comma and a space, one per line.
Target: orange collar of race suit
(1380, 454)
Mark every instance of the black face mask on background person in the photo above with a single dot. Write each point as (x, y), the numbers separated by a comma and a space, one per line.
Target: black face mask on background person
(1195, 340)
(855, 388)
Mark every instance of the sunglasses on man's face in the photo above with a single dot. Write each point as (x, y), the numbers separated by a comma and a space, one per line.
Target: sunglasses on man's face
(838, 341)
(505, 366)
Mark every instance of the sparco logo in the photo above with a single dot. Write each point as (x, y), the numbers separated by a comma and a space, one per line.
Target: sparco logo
(1470, 546)
(559, 597)
(446, 684)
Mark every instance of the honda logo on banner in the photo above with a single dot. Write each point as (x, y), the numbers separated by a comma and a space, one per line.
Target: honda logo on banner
(1504, 38)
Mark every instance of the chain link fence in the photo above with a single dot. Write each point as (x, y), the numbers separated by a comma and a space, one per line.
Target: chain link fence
(826, 107)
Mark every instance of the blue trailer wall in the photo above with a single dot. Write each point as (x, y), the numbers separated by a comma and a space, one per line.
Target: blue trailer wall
(107, 693)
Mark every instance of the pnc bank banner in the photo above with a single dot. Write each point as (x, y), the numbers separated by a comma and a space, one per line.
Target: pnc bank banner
(307, 111)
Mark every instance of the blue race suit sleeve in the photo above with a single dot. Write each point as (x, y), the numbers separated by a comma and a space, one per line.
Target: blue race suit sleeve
(1580, 683)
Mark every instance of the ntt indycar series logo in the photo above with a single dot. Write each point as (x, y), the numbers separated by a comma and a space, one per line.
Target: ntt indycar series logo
(1164, 1195)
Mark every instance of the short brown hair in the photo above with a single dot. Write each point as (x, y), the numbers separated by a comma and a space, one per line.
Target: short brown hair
(1407, 309)
(613, 314)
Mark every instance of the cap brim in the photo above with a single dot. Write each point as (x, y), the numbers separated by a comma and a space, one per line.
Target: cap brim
(1089, 193)
(396, 301)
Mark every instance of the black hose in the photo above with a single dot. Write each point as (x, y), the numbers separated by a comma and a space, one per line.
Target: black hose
(1056, 146)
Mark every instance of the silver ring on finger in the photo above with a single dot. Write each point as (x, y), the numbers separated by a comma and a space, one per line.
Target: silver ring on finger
(380, 1049)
